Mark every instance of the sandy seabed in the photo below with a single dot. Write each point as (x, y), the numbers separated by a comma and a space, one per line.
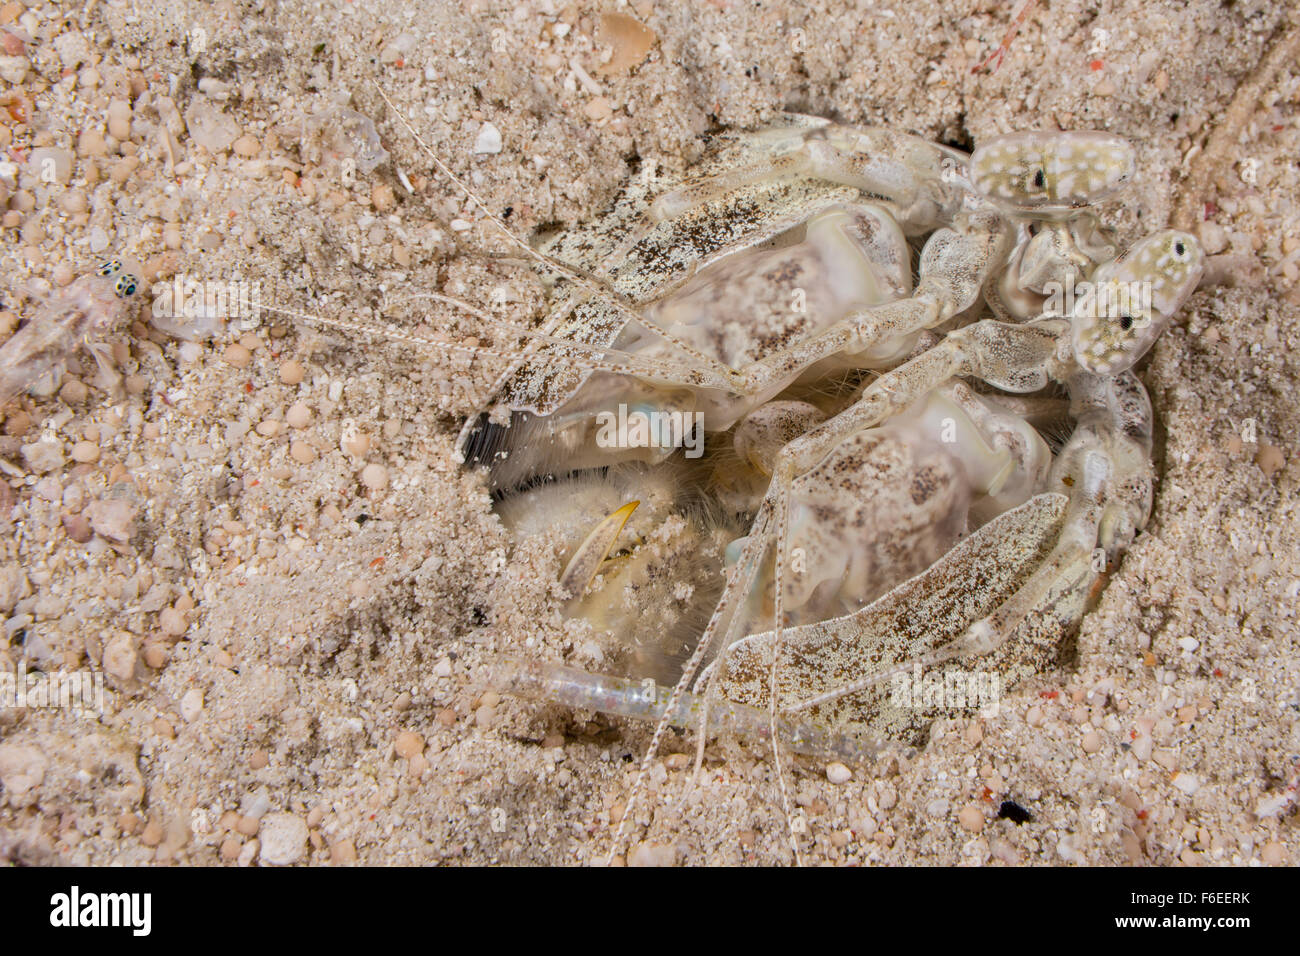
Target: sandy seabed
(295, 648)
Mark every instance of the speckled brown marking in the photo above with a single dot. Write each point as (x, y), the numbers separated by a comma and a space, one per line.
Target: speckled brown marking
(920, 614)
(654, 265)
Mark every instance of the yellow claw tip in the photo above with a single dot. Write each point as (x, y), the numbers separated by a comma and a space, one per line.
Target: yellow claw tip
(594, 549)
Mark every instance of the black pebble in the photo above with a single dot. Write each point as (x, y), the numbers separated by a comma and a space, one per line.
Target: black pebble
(1010, 810)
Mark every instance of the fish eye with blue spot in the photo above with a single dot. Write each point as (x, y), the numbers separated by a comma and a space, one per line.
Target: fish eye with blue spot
(125, 286)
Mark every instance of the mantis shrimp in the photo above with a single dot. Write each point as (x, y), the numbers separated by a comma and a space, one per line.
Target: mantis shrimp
(913, 517)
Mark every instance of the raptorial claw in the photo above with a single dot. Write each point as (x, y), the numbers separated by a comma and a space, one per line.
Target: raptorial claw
(591, 554)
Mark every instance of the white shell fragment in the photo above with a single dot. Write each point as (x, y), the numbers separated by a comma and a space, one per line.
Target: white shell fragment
(488, 139)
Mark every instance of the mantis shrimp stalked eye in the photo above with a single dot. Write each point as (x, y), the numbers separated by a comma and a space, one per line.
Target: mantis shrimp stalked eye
(1046, 173)
(1132, 300)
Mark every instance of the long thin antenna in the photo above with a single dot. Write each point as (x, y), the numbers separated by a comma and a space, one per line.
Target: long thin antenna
(635, 365)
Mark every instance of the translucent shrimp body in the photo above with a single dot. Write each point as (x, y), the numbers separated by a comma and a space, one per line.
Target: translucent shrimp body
(83, 313)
